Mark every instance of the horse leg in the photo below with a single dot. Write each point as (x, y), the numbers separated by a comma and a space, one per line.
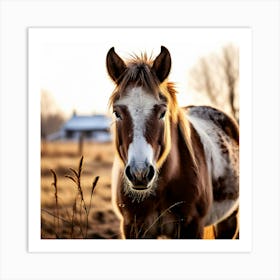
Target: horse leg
(192, 230)
(139, 230)
(129, 231)
(132, 229)
(228, 228)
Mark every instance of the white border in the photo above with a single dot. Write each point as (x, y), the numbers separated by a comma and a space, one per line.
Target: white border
(262, 262)
(39, 37)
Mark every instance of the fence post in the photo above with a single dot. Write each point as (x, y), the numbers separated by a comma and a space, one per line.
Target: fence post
(81, 143)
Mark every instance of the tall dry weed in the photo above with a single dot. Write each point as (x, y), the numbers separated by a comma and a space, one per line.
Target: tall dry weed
(80, 207)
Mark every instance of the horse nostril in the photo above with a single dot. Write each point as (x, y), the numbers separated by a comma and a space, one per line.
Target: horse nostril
(151, 173)
(140, 177)
(128, 173)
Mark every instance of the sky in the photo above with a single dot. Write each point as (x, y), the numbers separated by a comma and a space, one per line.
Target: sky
(71, 62)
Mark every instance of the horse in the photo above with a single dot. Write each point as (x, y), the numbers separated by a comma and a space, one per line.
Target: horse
(176, 170)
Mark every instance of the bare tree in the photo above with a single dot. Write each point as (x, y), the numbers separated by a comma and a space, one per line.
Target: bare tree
(216, 76)
(51, 116)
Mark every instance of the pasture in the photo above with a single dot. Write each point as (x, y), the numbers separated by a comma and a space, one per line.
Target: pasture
(63, 213)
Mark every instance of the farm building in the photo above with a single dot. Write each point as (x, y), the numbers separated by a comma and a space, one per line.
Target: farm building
(87, 127)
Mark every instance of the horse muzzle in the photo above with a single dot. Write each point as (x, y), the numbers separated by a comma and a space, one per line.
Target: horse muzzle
(140, 175)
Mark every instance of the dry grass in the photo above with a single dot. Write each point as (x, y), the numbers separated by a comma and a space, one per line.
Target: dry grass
(76, 194)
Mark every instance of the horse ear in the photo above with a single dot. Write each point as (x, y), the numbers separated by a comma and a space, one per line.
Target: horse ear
(162, 64)
(115, 65)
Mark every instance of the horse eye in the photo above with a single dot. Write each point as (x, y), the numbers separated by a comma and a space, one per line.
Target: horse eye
(117, 115)
(162, 115)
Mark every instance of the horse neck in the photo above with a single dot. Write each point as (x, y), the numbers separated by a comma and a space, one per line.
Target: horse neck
(186, 160)
(179, 156)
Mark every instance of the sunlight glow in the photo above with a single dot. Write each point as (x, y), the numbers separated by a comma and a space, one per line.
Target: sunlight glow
(72, 61)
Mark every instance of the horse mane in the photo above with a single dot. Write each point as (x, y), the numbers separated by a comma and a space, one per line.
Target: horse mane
(178, 116)
(138, 73)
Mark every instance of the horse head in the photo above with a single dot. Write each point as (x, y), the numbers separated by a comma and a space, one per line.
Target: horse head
(140, 103)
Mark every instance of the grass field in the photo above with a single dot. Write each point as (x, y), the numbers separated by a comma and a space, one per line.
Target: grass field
(71, 207)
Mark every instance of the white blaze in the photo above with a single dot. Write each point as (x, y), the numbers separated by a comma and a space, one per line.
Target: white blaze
(140, 105)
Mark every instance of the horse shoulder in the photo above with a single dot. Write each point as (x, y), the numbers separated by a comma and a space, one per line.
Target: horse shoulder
(220, 148)
(219, 137)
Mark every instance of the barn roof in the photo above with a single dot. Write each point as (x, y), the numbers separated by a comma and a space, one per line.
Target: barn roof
(85, 123)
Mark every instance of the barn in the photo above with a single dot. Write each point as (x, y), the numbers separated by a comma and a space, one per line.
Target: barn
(86, 127)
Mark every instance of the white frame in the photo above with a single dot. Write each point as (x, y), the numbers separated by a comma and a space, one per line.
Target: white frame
(39, 37)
